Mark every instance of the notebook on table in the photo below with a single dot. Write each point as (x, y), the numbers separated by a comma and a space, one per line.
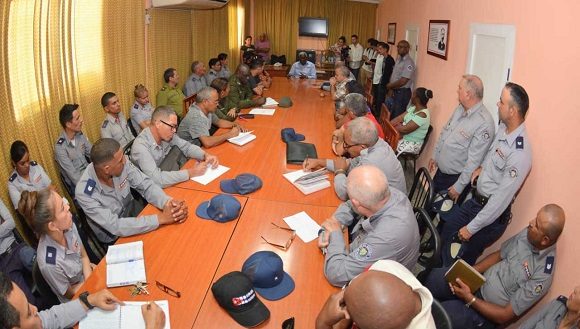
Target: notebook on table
(470, 276)
(126, 316)
(125, 264)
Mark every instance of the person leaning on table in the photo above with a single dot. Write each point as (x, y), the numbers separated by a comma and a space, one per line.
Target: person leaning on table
(17, 312)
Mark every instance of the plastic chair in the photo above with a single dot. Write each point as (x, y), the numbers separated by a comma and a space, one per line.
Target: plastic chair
(405, 156)
(442, 319)
(429, 246)
(421, 193)
(133, 130)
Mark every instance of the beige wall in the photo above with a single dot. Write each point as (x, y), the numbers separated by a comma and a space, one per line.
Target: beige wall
(546, 54)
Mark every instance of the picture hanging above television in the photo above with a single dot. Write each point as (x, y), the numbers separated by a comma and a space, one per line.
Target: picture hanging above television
(312, 27)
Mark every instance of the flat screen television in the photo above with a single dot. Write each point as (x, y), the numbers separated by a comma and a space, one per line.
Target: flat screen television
(312, 27)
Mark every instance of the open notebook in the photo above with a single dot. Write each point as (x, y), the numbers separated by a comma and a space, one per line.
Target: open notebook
(125, 264)
(126, 316)
(308, 182)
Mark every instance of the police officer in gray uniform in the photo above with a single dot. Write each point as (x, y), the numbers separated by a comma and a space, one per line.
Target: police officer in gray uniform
(27, 175)
(401, 82)
(364, 146)
(385, 227)
(464, 140)
(562, 312)
(72, 149)
(104, 194)
(154, 143)
(196, 81)
(481, 220)
(517, 276)
(115, 125)
(15, 312)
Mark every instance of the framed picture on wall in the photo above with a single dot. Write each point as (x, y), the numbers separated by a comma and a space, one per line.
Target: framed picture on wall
(438, 40)
(391, 33)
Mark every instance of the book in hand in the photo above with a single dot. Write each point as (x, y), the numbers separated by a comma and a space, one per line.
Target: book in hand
(126, 316)
(242, 138)
(470, 276)
(125, 264)
(308, 182)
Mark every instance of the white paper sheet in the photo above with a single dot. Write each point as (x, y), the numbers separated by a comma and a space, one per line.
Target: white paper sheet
(306, 228)
(210, 175)
(270, 102)
(127, 316)
(259, 111)
(242, 138)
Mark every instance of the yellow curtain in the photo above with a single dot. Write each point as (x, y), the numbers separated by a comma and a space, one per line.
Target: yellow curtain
(236, 29)
(209, 29)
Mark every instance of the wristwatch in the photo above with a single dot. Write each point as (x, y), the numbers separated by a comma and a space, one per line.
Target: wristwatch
(84, 297)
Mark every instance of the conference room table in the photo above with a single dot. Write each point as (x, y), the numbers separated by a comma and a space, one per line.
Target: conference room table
(191, 256)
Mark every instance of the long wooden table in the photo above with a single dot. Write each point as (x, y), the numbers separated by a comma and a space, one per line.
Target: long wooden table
(191, 256)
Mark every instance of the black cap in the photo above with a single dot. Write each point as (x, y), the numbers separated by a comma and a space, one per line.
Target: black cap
(234, 293)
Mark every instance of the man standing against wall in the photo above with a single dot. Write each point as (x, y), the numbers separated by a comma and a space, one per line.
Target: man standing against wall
(399, 87)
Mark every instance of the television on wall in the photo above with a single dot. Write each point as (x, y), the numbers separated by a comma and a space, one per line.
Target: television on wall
(312, 27)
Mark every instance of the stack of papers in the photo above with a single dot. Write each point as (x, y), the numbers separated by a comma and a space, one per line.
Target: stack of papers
(210, 174)
(125, 264)
(127, 316)
(259, 111)
(308, 182)
(270, 102)
(242, 138)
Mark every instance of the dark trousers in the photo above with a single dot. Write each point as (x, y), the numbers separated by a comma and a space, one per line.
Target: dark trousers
(397, 103)
(355, 72)
(461, 316)
(442, 182)
(457, 218)
(17, 265)
(379, 93)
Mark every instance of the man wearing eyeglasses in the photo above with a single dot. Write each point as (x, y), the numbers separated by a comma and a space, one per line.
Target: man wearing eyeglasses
(17, 312)
(154, 143)
(196, 127)
(399, 86)
(384, 227)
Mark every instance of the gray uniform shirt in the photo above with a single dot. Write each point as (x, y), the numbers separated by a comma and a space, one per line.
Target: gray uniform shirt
(6, 228)
(196, 124)
(194, 84)
(211, 76)
(105, 206)
(61, 266)
(404, 68)
(504, 169)
(523, 275)
(63, 315)
(71, 156)
(380, 155)
(117, 129)
(148, 155)
(140, 113)
(38, 180)
(463, 143)
(549, 317)
(224, 72)
(391, 233)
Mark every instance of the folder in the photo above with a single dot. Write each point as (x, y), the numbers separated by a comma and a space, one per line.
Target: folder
(470, 276)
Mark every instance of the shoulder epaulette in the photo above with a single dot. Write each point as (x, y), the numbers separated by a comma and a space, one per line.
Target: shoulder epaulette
(135, 106)
(90, 187)
(60, 141)
(50, 255)
(13, 177)
(519, 143)
(562, 299)
(105, 123)
(33, 163)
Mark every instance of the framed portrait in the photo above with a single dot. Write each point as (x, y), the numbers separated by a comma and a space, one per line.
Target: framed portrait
(438, 39)
(391, 33)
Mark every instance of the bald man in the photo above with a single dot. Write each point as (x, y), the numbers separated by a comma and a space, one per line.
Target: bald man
(388, 296)
(517, 276)
(383, 227)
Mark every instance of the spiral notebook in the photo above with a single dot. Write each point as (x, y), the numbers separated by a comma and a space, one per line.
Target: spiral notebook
(123, 317)
(125, 264)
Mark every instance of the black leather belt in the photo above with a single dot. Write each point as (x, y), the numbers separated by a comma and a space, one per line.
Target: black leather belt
(482, 200)
(9, 249)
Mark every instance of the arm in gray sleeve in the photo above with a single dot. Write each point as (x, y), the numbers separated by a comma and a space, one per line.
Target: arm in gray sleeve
(145, 185)
(88, 148)
(336, 248)
(66, 165)
(190, 150)
(141, 155)
(105, 132)
(14, 195)
(340, 186)
(344, 213)
(7, 226)
(518, 162)
(538, 316)
(478, 148)
(45, 180)
(63, 315)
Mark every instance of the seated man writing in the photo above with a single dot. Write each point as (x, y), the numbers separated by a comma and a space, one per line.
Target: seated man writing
(154, 143)
(384, 227)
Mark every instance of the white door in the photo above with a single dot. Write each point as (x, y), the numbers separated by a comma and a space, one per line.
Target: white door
(490, 56)
(412, 35)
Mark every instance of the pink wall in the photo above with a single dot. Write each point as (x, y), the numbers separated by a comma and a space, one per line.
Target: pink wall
(545, 64)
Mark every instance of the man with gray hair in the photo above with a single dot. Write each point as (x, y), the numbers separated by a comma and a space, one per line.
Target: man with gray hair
(364, 147)
(464, 140)
(196, 127)
(384, 227)
(154, 143)
(196, 81)
(104, 194)
(342, 76)
(303, 68)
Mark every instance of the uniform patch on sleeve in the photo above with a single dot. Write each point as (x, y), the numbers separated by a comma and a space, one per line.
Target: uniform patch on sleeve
(538, 289)
(549, 265)
(60, 141)
(363, 252)
(90, 187)
(50, 255)
(135, 106)
(13, 177)
(562, 299)
(105, 123)
(486, 135)
(410, 67)
(513, 172)
(519, 143)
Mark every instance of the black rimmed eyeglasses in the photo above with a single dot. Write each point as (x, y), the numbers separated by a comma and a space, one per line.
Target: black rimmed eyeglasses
(173, 127)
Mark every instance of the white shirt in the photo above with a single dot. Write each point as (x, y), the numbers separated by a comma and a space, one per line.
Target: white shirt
(355, 53)
(378, 70)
